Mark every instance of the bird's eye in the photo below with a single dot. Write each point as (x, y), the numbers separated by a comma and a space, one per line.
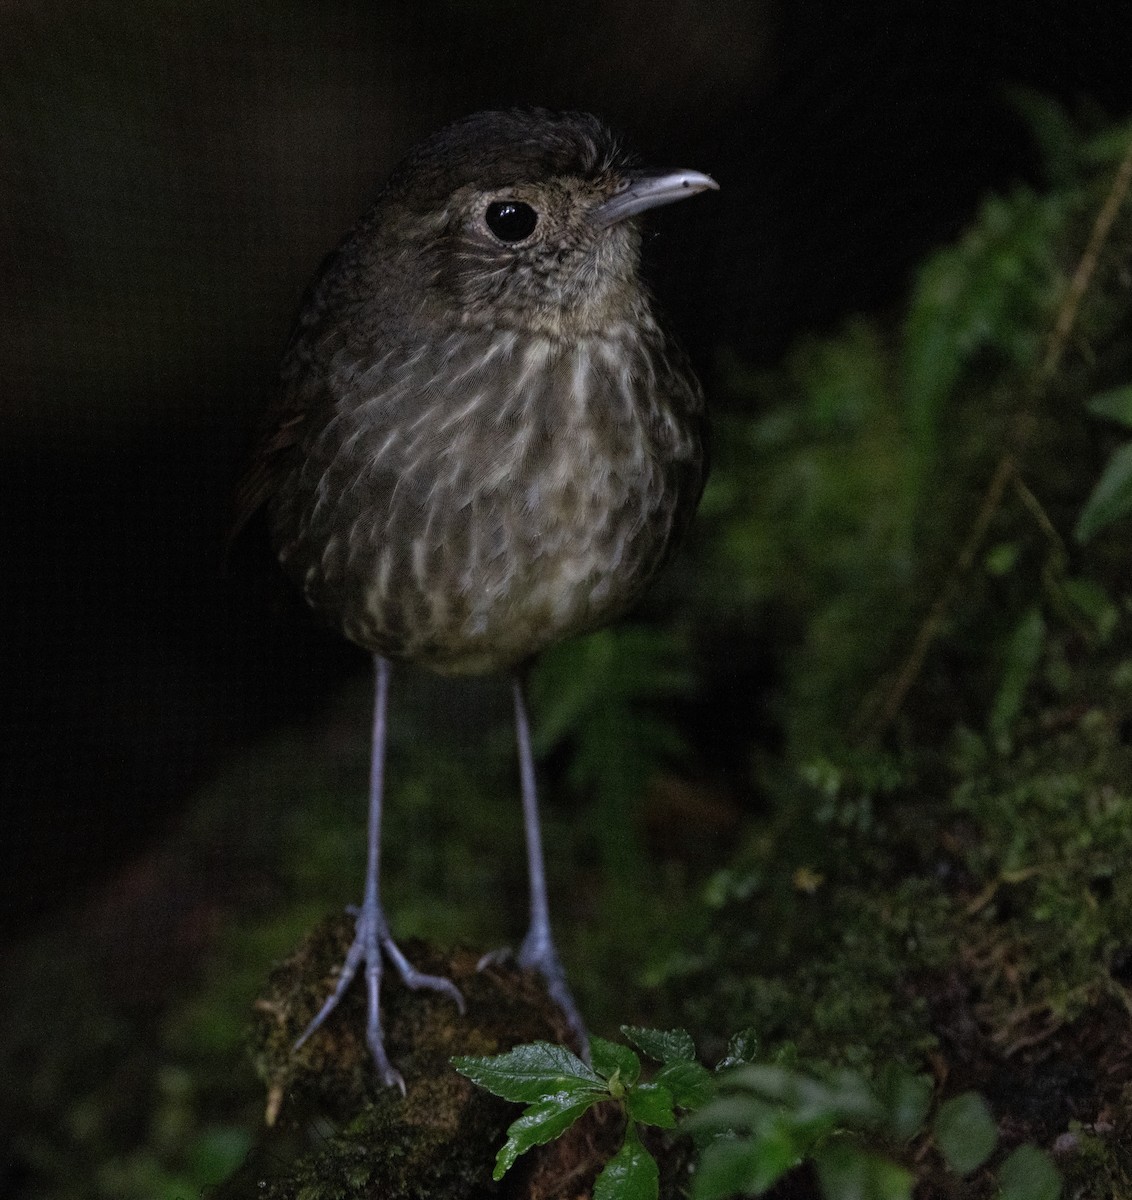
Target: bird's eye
(511, 220)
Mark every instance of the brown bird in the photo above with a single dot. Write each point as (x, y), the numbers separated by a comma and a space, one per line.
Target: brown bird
(485, 441)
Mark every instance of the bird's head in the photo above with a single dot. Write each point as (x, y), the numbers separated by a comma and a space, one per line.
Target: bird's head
(520, 219)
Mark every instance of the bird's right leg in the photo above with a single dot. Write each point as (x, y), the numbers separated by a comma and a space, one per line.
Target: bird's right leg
(371, 932)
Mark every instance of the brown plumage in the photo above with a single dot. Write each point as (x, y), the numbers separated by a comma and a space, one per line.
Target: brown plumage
(485, 441)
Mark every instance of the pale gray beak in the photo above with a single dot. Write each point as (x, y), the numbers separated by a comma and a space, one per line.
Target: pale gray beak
(651, 189)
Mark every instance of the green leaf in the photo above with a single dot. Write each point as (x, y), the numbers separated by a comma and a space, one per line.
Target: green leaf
(1058, 138)
(1001, 559)
(735, 1113)
(538, 1124)
(1022, 654)
(672, 1045)
(631, 1174)
(730, 1165)
(1028, 1174)
(848, 1173)
(847, 1100)
(984, 298)
(1108, 147)
(1092, 602)
(1111, 499)
(742, 1048)
(610, 1059)
(652, 1104)
(532, 1072)
(1114, 405)
(691, 1085)
(965, 1132)
(906, 1099)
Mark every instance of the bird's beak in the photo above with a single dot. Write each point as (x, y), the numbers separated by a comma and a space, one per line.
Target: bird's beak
(651, 189)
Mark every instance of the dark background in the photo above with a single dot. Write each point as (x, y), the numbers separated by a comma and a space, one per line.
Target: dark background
(170, 177)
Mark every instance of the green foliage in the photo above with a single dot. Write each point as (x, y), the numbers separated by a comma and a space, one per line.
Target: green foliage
(669, 1047)
(631, 1174)
(965, 1132)
(752, 1122)
(810, 519)
(987, 299)
(603, 695)
(846, 477)
(1028, 1175)
(1111, 499)
(558, 1087)
(769, 1119)
(1023, 651)
(525, 1074)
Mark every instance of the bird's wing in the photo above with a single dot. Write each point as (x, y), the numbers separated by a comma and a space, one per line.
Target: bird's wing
(269, 462)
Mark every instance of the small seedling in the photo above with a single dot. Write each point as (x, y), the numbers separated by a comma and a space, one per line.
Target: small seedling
(558, 1087)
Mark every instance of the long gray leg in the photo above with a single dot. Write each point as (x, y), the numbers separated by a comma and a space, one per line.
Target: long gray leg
(371, 933)
(538, 950)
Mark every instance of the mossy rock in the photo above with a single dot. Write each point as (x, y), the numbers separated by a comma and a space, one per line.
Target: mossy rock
(441, 1138)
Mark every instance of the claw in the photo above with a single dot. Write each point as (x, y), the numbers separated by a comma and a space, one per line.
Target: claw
(537, 953)
(371, 937)
(494, 958)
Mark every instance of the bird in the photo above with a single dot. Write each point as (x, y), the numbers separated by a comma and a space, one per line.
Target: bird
(484, 440)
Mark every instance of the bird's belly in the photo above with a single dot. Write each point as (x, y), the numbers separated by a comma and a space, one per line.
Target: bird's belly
(490, 522)
(483, 583)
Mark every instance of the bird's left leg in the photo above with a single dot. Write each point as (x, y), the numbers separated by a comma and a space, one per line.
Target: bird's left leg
(371, 932)
(537, 949)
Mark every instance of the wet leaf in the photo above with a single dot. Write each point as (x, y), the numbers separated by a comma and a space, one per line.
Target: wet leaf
(611, 1059)
(631, 1174)
(652, 1104)
(672, 1045)
(540, 1123)
(532, 1072)
(691, 1085)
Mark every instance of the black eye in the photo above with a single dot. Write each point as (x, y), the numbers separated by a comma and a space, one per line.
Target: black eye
(511, 220)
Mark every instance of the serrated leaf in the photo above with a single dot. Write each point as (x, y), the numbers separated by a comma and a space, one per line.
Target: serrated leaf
(631, 1174)
(1111, 499)
(540, 1123)
(965, 1132)
(671, 1045)
(849, 1173)
(1114, 405)
(742, 1048)
(652, 1104)
(1028, 1174)
(610, 1058)
(531, 1072)
(691, 1085)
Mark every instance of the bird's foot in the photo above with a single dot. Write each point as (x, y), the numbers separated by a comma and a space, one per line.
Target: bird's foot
(371, 937)
(537, 953)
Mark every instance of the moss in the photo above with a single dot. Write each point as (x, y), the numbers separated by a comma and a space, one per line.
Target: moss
(441, 1138)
